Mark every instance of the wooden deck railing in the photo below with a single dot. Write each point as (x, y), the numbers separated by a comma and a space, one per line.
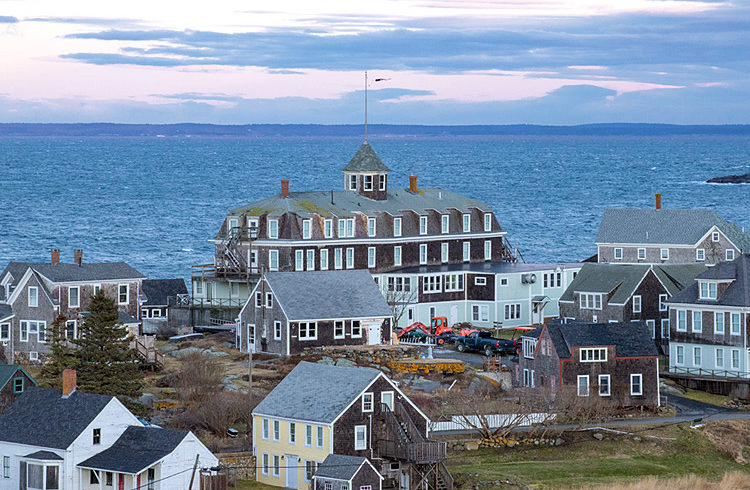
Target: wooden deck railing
(710, 373)
(406, 442)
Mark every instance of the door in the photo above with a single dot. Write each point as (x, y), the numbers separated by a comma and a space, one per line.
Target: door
(536, 315)
(454, 314)
(121, 481)
(291, 470)
(373, 332)
(253, 261)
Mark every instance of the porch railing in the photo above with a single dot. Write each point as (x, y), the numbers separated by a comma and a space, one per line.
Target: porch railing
(710, 373)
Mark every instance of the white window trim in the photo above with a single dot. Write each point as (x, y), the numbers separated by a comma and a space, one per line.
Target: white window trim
(277, 328)
(4, 338)
(739, 323)
(265, 463)
(663, 302)
(677, 318)
(700, 315)
(328, 228)
(363, 429)
(273, 253)
(368, 186)
(487, 250)
(273, 224)
(350, 258)
(292, 441)
(716, 357)
(276, 424)
(638, 303)
(717, 315)
(372, 227)
(78, 297)
(276, 465)
(358, 335)
(371, 397)
(487, 221)
(127, 294)
(265, 429)
(700, 254)
(641, 249)
(639, 376)
(422, 253)
(715, 236)
(307, 336)
(618, 253)
(466, 251)
(444, 252)
(371, 257)
(423, 220)
(663, 255)
(343, 329)
(445, 223)
(320, 437)
(382, 182)
(480, 281)
(466, 223)
(397, 254)
(36, 297)
(677, 350)
(698, 349)
(308, 435)
(590, 354)
(323, 259)
(382, 398)
(731, 358)
(306, 229)
(609, 385)
(727, 254)
(578, 385)
(397, 227)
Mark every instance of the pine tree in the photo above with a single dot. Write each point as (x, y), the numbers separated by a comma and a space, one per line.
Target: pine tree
(106, 363)
(61, 356)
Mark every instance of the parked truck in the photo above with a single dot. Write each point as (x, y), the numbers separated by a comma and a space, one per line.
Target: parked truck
(483, 341)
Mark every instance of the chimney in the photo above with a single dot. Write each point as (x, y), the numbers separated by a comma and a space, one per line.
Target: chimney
(284, 188)
(69, 382)
(78, 256)
(658, 200)
(55, 256)
(413, 183)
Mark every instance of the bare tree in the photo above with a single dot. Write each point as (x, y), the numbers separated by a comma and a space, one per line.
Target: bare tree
(199, 377)
(399, 301)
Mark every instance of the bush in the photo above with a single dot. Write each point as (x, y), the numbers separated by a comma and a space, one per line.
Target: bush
(199, 377)
(216, 413)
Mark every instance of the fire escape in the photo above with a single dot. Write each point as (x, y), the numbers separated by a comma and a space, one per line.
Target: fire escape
(406, 443)
(230, 261)
(511, 254)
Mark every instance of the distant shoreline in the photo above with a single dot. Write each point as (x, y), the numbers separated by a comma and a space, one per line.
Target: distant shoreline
(355, 130)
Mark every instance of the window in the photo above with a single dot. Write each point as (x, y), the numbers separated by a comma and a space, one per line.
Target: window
(265, 464)
(371, 257)
(467, 223)
(593, 354)
(33, 296)
(276, 465)
(338, 330)
(18, 384)
(319, 438)
(360, 437)
(663, 302)
(97, 436)
(386, 398)
(324, 259)
(707, 290)
(350, 258)
(74, 297)
(328, 486)
(306, 229)
(4, 332)
(604, 389)
(735, 329)
(637, 303)
(276, 430)
(487, 221)
(258, 299)
(35, 476)
(292, 433)
(681, 321)
(480, 313)
(526, 377)
(636, 384)
(504, 281)
(308, 330)
(368, 182)
(342, 228)
(431, 284)
(423, 225)
(34, 327)
(444, 252)
(371, 227)
(150, 478)
(397, 256)
(277, 330)
(365, 487)
(352, 182)
(273, 228)
(618, 253)
(454, 282)
(697, 321)
(730, 254)
(299, 260)
(367, 402)
(641, 254)
(528, 348)
(198, 288)
(338, 258)
(467, 252)
(309, 470)
(715, 236)
(651, 324)
(680, 355)
(719, 323)
(6, 466)
(381, 181)
(697, 356)
(356, 329)
(700, 254)
(24, 334)
(396, 226)
(328, 228)
(273, 260)
(513, 311)
(350, 227)
(583, 385)
(265, 429)
(480, 281)
(487, 250)
(590, 301)
(308, 435)
(735, 359)
(664, 254)
(269, 300)
(719, 357)
(123, 295)
(445, 220)
(664, 328)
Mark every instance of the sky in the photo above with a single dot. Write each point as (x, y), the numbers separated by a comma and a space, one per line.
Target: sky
(445, 61)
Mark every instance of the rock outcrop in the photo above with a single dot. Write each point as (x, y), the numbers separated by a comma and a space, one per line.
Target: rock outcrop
(731, 179)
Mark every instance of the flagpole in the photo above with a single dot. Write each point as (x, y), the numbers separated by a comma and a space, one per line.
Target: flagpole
(365, 106)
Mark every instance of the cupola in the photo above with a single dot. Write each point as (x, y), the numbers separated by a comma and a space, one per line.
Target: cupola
(366, 174)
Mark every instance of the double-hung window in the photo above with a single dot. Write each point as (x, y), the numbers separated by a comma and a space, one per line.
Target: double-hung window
(707, 290)
(719, 357)
(604, 385)
(487, 250)
(342, 228)
(360, 437)
(308, 435)
(319, 438)
(292, 433)
(487, 221)
(123, 295)
(352, 182)
(338, 258)
(306, 229)
(74, 297)
(308, 330)
(735, 329)
(397, 256)
(641, 254)
(445, 221)
(350, 258)
(299, 260)
(4, 332)
(396, 226)
(422, 253)
(33, 296)
(444, 252)
(697, 356)
(719, 323)
(697, 321)
(273, 228)
(371, 254)
(381, 182)
(664, 254)
(700, 254)
(324, 259)
(356, 329)
(266, 431)
(277, 330)
(367, 402)
(372, 227)
(664, 328)
(680, 354)
(368, 182)
(636, 384)
(583, 385)
(735, 359)
(467, 251)
(637, 303)
(276, 430)
(338, 329)
(6, 466)
(467, 223)
(273, 260)
(618, 253)
(276, 465)
(513, 311)
(423, 225)
(681, 321)
(730, 255)
(328, 228)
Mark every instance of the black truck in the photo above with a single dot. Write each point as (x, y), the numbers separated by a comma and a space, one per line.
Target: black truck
(485, 342)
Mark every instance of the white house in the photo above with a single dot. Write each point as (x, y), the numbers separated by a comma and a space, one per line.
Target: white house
(68, 440)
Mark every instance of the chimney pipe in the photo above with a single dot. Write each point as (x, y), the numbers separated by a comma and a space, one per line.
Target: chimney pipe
(55, 256)
(658, 200)
(69, 382)
(284, 188)
(78, 256)
(413, 183)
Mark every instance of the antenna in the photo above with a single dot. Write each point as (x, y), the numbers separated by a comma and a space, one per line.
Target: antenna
(365, 106)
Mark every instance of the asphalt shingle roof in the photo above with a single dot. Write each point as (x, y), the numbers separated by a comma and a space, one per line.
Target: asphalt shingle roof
(5, 311)
(158, 291)
(366, 160)
(738, 292)
(665, 226)
(340, 467)
(103, 271)
(136, 449)
(631, 339)
(44, 455)
(316, 392)
(8, 372)
(311, 295)
(41, 417)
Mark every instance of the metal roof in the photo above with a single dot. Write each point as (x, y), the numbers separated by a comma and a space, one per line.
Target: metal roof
(366, 160)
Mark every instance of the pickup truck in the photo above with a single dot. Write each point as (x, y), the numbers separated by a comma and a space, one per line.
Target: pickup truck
(485, 342)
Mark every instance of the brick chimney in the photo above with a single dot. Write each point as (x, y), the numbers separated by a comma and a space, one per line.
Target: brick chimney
(78, 256)
(413, 183)
(658, 200)
(55, 256)
(69, 382)
(284, 188)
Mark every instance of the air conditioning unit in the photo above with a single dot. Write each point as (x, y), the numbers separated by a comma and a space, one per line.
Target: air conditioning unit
(528, 278)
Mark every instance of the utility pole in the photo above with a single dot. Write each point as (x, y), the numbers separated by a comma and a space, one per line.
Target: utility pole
(365, 106)
(192, 476)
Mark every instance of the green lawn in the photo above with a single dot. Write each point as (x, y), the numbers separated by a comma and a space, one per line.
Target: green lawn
(253, 485)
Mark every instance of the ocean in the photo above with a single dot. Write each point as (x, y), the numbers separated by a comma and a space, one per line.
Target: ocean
(156, 201)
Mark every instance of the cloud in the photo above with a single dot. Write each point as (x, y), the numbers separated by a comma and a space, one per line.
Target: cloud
(92, 21)
(7, 19)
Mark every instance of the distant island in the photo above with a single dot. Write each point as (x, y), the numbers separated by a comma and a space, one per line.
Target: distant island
(731, 179)
(355, 130)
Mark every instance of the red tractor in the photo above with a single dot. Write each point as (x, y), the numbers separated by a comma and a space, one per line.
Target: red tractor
(439, 331)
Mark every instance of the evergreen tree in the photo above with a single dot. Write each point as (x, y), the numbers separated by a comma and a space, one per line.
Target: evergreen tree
(106, 363)
(61, 356)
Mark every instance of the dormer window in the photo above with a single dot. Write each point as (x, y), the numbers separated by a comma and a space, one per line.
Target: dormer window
(467, 223)
(487, 222)
(707, 290)
(445, 223)
(352, 182)
(273, 228)
(423, 225)
(306, 229)
(381, 182)
(368, 182)
(396, 226)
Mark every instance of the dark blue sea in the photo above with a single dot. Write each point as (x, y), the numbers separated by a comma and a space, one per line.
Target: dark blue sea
(155, 202)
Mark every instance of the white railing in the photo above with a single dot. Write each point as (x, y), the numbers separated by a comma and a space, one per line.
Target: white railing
(469, 422)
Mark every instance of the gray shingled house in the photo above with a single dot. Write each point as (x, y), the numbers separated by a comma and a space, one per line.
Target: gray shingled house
(158, 298)
(290, 311)
(606, 363)
(340, 472)
(14, 381)
(710, 321)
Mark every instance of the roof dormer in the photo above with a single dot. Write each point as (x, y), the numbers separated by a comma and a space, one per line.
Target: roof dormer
(366, 174)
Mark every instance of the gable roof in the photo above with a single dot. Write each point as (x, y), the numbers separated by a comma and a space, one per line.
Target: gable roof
(310, 295)
(44, 455)
(630, 339)
(736, 294)
(6, 311)
(665, 226)
(8, 372)
(316, 392)
(102, 271)
(158, 291)
(366, 160)
(137, 449)
(41, 417)
(341, 467)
